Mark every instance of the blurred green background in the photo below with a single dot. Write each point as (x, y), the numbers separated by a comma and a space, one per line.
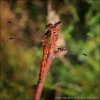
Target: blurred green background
(22, 25)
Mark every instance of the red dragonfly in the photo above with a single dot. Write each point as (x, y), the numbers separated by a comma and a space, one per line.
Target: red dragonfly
(47, 40)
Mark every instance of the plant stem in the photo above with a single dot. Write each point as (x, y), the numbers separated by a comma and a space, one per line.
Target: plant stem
(40, 84)
(38, 91)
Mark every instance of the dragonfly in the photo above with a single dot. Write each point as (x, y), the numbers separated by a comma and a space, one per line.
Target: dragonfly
(47, 40)
(51, 29)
